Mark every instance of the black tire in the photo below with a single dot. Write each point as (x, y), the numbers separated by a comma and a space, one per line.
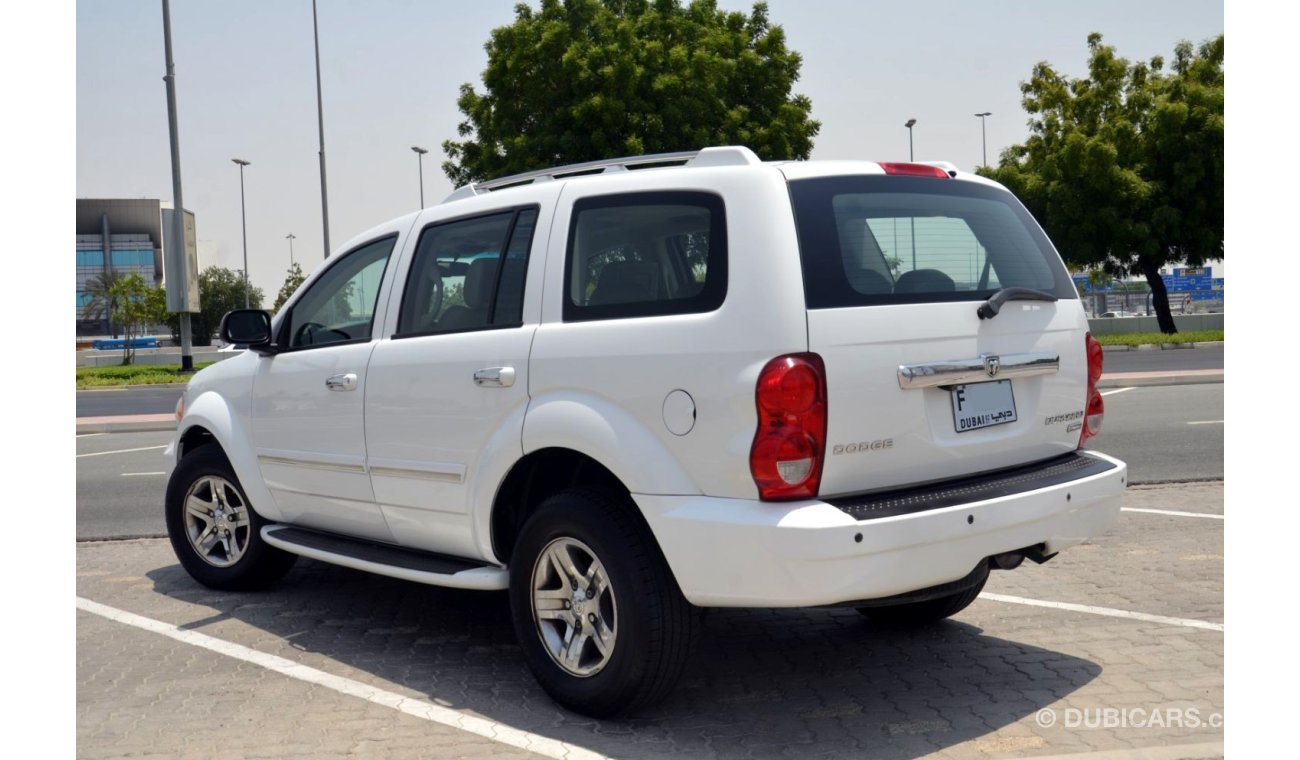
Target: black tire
(911, 614)
(240, 562)
(653, 626)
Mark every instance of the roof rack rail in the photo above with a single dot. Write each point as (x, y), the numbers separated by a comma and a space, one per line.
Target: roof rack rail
(730, 155)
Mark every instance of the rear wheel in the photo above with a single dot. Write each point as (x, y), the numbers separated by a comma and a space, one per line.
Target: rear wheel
(601, 621)
(214, 531)
(926, 611)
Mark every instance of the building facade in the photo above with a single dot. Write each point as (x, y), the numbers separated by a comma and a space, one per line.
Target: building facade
(121, 235)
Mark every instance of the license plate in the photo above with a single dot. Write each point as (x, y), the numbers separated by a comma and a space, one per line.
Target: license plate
(981, 405)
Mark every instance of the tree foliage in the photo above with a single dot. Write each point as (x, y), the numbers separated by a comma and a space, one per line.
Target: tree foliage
(136, 306)
(292, 280)
(220, 290)
(580, 80)
(101, 302)
(1124, 167)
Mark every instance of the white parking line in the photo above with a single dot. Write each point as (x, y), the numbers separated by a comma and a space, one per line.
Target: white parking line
(120, 451)
(138, 474)
(89, 435)
(418, 708)
(1105, 611)
(1206, 515)
(1118, 390)
(1206, 422)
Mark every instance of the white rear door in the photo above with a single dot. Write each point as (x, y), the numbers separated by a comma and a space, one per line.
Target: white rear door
(447, 391)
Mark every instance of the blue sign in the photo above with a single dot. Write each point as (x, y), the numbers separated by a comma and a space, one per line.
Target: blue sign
(1186, 283)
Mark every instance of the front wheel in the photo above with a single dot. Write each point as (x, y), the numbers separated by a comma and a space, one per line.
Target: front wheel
(601, 621)
(214, 531)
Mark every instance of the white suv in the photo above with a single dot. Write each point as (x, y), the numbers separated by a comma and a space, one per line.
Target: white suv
(628, 389)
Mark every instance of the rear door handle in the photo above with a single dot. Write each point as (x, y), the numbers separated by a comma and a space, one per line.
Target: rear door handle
(344, 382)
(495, 377)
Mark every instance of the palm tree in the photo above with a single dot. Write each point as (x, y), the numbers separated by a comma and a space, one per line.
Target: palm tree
(102, 302)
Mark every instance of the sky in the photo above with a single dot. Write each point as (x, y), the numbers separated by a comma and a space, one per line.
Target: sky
(391, 70)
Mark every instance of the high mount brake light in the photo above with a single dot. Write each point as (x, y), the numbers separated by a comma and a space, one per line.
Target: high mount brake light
(790, 444)
(913, 170)
(1095, 408)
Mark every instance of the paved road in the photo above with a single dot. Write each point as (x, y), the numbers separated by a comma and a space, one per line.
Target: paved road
(1165, 433)
(120, 485)
(336, 663)
(112, 402)
(161, 400)
(1170, 360)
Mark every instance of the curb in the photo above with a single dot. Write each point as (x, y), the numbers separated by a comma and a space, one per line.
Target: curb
(1143, 379)
(124, 427)
(1164, 346)
(93, 388)
(139, 423)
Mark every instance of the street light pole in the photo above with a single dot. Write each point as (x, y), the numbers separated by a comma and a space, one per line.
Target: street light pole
(320, 117)
(290, 238)
(243, 216)
(911, 156)
(420, 151)
(984, 138)
(181, 277)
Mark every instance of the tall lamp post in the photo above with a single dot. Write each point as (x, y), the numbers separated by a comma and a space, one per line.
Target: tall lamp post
(910, 123)
(180, 274)
(320, 118)
(243, 217)
(420, 152)
(984, 138)
(290, 238)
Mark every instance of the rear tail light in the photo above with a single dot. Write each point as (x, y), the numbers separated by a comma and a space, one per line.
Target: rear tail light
(1095, 409)
(790, 443)
(914, 170)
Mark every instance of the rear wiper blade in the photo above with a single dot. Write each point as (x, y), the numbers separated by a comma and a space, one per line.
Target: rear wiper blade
(990, 308)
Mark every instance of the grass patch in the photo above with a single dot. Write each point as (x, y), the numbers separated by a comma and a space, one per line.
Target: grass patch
(133, 374)
(1139, 339)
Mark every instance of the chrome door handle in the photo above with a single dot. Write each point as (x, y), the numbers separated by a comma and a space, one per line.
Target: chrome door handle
(344, 382)
(495, 377)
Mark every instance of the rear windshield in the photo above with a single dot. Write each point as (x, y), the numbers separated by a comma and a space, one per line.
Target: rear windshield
(867, 240)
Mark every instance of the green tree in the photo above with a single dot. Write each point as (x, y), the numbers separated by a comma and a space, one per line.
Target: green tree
(292, 280)
(220, 290)
(580, 80)
(101, 303)
(137, 306)
(1124, 167)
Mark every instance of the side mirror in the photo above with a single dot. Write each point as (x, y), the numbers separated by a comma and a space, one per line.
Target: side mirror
(248, 327)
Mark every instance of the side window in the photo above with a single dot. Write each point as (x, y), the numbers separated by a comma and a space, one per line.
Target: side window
(340, 306)
(645, 254)
(468, 275)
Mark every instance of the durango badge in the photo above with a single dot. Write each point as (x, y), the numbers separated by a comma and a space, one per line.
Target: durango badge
(854, 448)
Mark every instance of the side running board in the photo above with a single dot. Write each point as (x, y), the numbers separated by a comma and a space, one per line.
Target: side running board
(385, 559)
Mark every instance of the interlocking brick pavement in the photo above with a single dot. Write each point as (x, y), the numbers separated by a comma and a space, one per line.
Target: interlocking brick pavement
(761, 683)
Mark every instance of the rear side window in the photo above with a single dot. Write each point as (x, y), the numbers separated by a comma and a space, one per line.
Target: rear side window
(881, 240)
(645, 254)
(468, 275)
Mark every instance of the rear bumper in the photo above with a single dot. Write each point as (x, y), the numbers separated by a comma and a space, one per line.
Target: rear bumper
(747, 553)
